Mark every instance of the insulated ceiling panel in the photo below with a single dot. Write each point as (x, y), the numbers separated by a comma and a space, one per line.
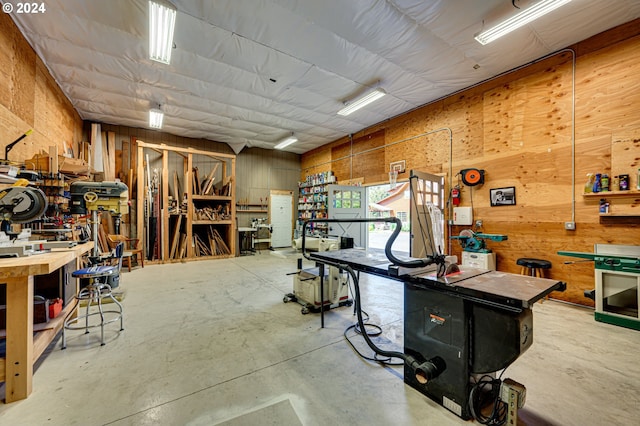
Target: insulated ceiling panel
(250, 72)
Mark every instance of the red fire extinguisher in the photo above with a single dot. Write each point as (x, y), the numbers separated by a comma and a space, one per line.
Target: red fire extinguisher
(455, 195)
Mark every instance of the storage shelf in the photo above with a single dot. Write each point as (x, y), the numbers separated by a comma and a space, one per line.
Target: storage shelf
(185, 237)
(211, 197)
(211, 222)
(604, 194)
(252, 211)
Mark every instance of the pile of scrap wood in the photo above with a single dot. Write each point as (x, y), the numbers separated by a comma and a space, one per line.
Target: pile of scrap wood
(212, 213)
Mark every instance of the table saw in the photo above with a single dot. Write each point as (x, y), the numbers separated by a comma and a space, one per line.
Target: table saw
(467, 323)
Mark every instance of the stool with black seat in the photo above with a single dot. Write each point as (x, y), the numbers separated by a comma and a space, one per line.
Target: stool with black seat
(102, 276)
(533, 267)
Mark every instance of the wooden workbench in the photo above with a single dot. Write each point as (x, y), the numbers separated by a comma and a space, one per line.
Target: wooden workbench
(22, 347)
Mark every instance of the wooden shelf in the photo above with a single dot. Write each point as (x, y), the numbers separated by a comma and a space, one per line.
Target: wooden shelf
(211, 197)
(186, 238)
(211, 222)
(252, 211)
(605, 194)
(619, 219)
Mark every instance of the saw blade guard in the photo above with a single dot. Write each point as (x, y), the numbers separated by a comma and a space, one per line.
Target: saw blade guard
(21, 204)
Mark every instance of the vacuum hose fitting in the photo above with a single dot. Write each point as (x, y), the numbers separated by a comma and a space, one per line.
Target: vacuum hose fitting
(428, 370)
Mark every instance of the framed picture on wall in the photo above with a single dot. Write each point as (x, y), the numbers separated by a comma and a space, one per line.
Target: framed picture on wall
(503, 196)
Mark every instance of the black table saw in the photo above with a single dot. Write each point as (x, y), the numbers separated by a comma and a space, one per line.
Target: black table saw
(477, 321)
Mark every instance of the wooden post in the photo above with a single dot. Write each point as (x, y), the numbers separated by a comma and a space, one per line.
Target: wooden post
(140, 201)
(19, 359)
(189, 189)
(164, 249)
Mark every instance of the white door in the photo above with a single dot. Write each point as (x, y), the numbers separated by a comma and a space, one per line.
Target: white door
(281, 218)
(347, 202)
(427, 236)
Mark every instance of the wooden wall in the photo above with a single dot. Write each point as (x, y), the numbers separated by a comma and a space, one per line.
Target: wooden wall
(31, 99)
(519, 129)
(261, 170)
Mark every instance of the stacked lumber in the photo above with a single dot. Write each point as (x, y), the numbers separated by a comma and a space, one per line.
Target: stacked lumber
(177, 241)
(206, 186)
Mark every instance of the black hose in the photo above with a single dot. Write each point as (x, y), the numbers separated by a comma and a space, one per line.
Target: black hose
(415, 263)
(423, 371)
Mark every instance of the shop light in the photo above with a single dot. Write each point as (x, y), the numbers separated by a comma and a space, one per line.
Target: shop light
(162, 21)
(524, 16)
(286, 142)
(362, 101)
(155, 118)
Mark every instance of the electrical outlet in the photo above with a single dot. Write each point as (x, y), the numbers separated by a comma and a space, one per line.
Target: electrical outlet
(570, 226)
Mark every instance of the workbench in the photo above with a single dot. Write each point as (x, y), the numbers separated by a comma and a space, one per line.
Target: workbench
(23, 348)
(478, 321)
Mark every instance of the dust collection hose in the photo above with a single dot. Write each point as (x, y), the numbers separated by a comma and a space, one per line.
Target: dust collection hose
(423, 371)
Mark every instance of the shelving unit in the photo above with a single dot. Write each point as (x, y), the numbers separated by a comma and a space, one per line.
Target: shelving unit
(605, 194)
(53, 187)
(312, 201)
(206, 228)
(250, 208)
(622, 217)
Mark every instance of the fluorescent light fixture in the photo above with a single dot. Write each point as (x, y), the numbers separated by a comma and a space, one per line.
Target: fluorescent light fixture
(286, 142)
(362, 101)
(155, 118)
(162, 21)
(524, 16)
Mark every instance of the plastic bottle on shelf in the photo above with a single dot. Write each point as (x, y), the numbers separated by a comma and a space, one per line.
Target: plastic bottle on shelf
(615, 183)
(597, 183)
(604, 206)
(588, 187)
(624, 182)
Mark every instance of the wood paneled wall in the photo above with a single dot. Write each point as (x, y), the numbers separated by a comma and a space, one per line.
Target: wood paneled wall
(519, 128)
(31, 99)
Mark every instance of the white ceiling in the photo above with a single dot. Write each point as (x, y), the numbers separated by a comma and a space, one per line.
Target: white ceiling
(250, 72)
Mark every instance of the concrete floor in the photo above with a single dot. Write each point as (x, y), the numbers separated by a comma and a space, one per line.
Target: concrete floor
(212, 342)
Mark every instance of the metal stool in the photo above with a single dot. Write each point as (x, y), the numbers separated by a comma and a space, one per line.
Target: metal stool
(533, 267)
(95, 292)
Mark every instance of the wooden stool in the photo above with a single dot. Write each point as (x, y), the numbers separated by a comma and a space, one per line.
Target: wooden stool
(533, 267)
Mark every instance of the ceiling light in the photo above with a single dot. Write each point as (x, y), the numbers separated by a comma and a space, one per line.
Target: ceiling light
(162, 20)
(155, 118)
(286, 142)
(362, 101)
(524, 16)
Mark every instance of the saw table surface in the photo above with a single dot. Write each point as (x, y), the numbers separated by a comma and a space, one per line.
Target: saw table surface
(484, 286)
